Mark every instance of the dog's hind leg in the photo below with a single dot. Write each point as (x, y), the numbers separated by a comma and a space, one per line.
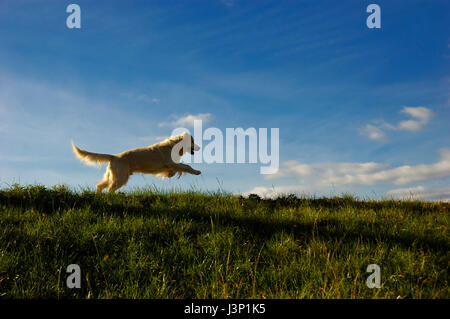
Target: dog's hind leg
(116, 184)
(118, 177)
(104, 182)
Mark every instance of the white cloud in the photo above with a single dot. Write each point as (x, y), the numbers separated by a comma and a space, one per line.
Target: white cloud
(373, 132)
(364, 173)
(318, 177)
(421, 117)
(187, 121)
(421, 192)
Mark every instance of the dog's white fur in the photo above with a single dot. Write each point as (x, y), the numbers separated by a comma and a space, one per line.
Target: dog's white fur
(161, 159)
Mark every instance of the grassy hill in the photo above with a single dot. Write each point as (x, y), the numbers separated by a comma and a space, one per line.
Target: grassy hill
(150, 244)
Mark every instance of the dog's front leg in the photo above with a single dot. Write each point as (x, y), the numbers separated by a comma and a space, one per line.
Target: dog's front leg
(186, 168)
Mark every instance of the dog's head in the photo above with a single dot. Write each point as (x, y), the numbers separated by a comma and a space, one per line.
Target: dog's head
(188, 144)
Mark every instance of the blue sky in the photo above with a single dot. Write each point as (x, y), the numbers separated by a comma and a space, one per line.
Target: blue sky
(342, 95)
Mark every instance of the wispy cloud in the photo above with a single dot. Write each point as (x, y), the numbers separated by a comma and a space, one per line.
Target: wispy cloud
(228, 3)
(152, 139)
(421, 117)
(187, 120)
(364, 173)
(373, 132)
(421, 192)
(319, 177)
(141, 97)
(24, 158)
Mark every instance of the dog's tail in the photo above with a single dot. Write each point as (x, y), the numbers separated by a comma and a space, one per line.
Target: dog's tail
(91, 158)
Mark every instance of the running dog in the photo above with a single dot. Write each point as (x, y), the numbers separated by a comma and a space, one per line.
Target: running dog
(161, 159)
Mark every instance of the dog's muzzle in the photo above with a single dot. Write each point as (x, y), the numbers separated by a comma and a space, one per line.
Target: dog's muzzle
(194, 148)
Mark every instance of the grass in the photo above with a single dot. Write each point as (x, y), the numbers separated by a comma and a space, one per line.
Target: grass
(150, 244)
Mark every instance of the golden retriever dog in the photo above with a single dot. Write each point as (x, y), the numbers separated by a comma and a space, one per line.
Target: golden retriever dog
(161, 159)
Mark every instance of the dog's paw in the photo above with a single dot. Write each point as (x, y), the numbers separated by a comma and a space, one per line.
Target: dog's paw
(197, 172)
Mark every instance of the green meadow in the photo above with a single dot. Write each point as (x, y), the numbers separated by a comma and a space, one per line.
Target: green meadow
(154, 244)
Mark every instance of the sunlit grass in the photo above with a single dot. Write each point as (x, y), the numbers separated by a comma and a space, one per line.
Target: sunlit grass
(153, 244)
